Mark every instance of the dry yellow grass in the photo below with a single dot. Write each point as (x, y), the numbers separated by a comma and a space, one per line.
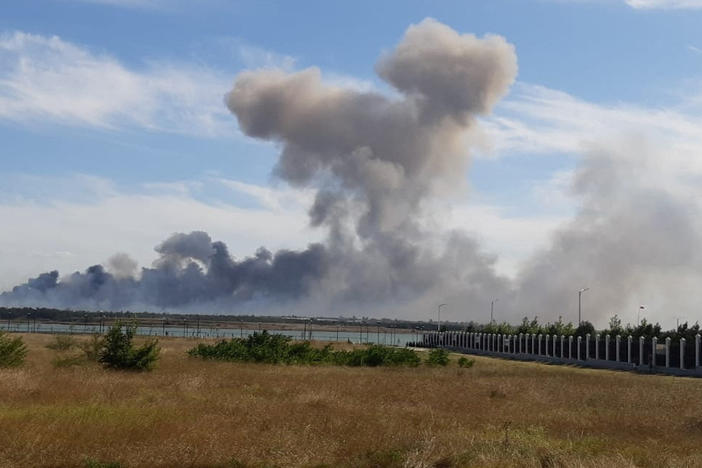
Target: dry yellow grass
(193, 413)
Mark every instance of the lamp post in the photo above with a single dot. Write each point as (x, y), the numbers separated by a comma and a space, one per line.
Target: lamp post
(438, 327)
(492, 310)
(638, 315)
(580, 295)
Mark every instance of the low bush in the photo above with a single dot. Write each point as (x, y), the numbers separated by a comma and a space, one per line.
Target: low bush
(279, 349)
(62, 343)
(465, 362)
(12, 350)
(92, 347)
(91, 463)
(438, 357)
(118, 352)
(68, 361)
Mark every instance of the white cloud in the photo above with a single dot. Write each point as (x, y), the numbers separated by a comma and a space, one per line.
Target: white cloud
(665, 4)
(538, 120)
(48, 79)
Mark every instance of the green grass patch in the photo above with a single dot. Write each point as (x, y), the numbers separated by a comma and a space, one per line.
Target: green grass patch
(62, 343)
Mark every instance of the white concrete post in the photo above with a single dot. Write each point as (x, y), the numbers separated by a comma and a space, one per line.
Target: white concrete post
(533, 343)
(606, 347)
(654, 344)
(641, 351)
(562, 343)
(597, 345)
(546, 345)
(587, 346)
(628, 349)
(617, 341)
(697, 350)
(554, 345)
(580, 340)
(570, 347)
(667, 352)
(682, 353)
(540, 340)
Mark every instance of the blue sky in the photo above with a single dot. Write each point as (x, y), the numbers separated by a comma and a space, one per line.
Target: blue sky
(114, 109)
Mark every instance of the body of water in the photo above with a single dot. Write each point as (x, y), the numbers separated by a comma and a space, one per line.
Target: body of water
(367, 335)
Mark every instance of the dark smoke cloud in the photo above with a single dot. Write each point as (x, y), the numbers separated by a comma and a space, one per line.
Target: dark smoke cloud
(182, 276)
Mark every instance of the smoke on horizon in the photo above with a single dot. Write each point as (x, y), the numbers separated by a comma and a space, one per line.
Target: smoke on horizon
(376, 163)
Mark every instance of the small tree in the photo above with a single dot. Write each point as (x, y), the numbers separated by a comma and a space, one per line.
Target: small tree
(118, 352)
(584, 328)
(438, 357)
(12, 351)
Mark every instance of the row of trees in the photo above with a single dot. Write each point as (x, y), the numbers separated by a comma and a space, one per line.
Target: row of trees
(645, 329)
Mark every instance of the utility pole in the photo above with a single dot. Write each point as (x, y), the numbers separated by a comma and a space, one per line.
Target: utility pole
(638, 315)
(438, 326)
(580, 295)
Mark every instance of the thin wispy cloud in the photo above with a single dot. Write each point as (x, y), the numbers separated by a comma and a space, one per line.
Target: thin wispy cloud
(48, 79)
(665, 4)
(536, 119)
(148, 4)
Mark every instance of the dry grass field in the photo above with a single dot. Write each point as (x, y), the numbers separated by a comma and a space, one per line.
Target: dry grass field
(193, 413)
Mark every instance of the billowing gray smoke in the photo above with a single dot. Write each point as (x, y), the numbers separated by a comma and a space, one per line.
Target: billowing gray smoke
(636, 240)
(374, 159)
(376, 163)
(191, 270)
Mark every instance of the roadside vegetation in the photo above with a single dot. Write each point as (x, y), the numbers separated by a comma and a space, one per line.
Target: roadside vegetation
(615, 327)
(278, 349)
(117, 350)
(12, 350)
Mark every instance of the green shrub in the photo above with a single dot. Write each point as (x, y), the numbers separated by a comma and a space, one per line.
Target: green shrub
(465, 362)
(69, 361)
(12, 351)
(62, 343)
(118, 352)
(279, 349)
(91, 463)
(92, 347)
(438, 357)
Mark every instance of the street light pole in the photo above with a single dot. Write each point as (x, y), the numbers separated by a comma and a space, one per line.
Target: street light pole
(492, 310)
(580, 295)
(638, 315)
(438, 327)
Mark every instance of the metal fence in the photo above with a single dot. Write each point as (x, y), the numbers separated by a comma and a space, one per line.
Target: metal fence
(195, 329)
(603, 351)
